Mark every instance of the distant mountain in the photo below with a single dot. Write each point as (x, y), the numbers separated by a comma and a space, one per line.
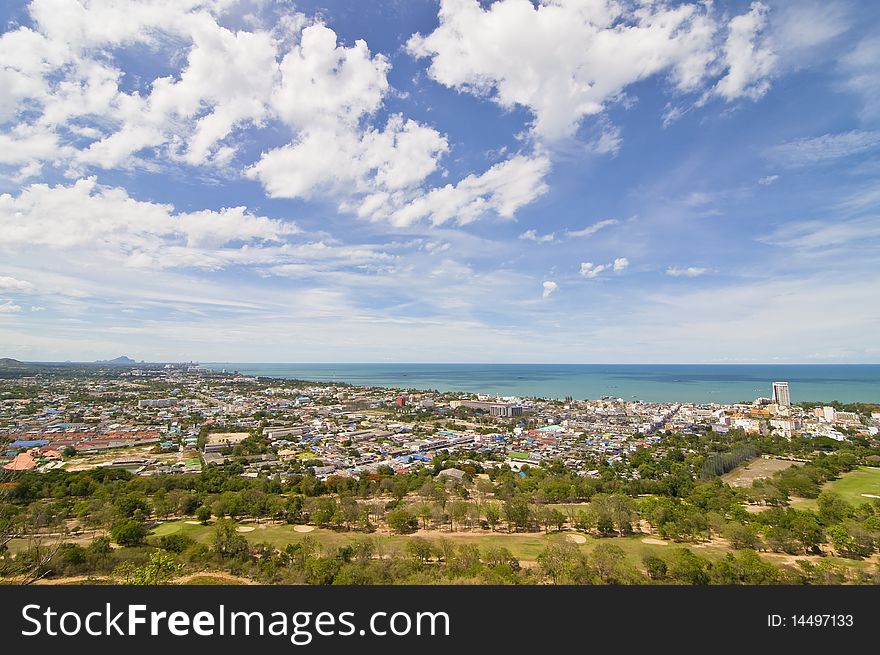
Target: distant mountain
(8, 362)
(122, 360)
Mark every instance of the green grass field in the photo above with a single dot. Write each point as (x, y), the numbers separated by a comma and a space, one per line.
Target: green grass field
(850, 486)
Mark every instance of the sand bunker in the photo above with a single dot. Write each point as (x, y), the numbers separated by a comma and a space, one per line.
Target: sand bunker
(656, 542)
(577, 538)
(245, 528)
(193, 522)
(303, 528)
(871, 496)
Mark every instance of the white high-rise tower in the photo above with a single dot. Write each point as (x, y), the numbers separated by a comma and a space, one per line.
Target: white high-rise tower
(780, 394)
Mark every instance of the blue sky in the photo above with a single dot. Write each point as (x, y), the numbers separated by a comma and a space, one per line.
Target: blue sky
(511, 181)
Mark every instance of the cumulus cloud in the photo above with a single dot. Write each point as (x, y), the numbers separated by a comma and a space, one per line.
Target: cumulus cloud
(501, 190)
(72, 104)
(690, 271)
(748, 59)
(564, 60)
(549, 288)
(86, 215)
(12, 284)
(9, 307)
(767, 180)
(590, 270)
(532, 235)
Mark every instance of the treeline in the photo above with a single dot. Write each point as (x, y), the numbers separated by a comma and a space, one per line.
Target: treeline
(721, 463)
(364, 561)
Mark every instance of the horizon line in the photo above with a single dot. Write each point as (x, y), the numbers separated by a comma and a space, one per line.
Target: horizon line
(457, 363)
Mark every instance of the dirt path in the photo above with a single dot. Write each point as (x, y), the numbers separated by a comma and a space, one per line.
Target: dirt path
(219, 575)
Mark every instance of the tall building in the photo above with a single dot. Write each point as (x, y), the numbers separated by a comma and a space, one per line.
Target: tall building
(780, 394)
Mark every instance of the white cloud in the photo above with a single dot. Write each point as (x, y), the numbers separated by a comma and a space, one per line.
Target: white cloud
(609, 141)
(564, 60)
(68, 106)
(821, 235)
(549, 288)
(90, 217)
(532, 235)
(590, 230)
(767, 180)
(324, 83)
(501, 190)
(9, 307)
(591, 270)
(350, 162)
(748, 59)
(12, 284)
(690, 271)
(861, 75)
(820, 149)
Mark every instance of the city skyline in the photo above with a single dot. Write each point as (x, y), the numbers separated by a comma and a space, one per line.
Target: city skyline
(431, 182)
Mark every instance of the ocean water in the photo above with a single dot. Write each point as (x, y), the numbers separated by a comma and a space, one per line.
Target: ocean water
(702, 383)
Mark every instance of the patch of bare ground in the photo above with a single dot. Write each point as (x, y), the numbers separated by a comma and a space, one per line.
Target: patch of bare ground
(220, 576)
(756, 469)
(73, 579)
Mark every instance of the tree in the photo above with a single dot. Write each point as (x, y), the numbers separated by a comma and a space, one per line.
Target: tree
(832, 508)
(806, 529)
(558, 518)
(130, 503)
(419, 549)
(228, 544)
(609, 563)
(655, 567)
(585, 519)
(850, 539)
(159, 570)
(203, 514)
(558, 560)
(687, 567)
(402, 522)
(458, 510)
(492, 514)
(741, 536)
(128, 532)
(517, 513)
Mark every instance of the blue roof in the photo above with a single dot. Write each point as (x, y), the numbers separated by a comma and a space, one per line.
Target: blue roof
(29, 444)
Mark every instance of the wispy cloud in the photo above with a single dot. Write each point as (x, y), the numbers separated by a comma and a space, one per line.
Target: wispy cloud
(590, 230)
(690, 271)
(821, 149)
(815, 235)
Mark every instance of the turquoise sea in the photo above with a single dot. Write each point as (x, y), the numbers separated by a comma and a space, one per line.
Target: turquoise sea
(722, 383)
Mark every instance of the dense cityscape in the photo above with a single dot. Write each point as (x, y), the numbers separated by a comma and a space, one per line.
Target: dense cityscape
(178, 470)
(172, 412)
